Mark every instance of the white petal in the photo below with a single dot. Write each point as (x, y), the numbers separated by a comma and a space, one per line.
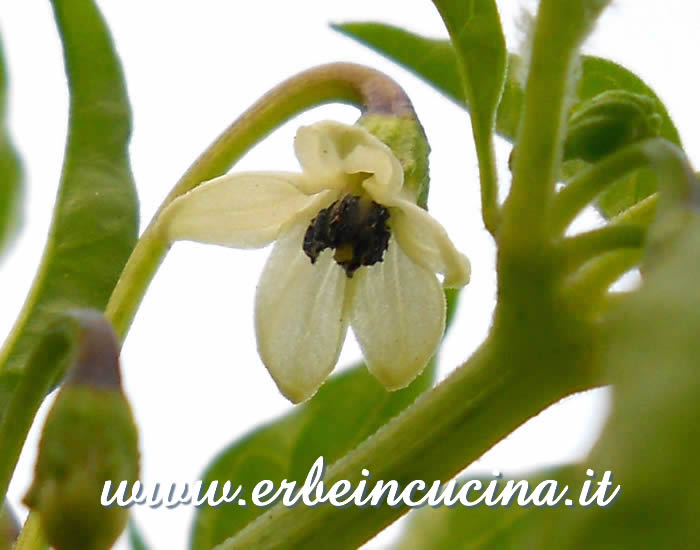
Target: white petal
(299, 317)
(328, 151)
(244, 210)
(318, 155)
(398, 316)
(426, 242)
(377, 159)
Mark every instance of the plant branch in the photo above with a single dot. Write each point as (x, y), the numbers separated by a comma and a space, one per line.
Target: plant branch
(579, 249)
(435, 438)
(559, 29)
(657, 153)
(588, 288)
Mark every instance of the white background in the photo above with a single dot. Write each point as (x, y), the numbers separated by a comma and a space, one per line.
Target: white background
(189, 364)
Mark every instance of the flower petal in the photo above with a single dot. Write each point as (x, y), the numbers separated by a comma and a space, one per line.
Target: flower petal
(244, 210)
(377, 159)
(328, 151)
(316, 149)
(398, 317)
(299, 316)
(423, 238)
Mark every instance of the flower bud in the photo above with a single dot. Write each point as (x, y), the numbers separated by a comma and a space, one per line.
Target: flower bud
(610, 120)
(89, 437)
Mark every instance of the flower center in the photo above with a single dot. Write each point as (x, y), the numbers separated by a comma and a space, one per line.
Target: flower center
(355, 227)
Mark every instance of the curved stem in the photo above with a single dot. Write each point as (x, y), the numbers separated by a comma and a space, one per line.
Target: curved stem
(657, 153)
(579, 249)
(587, 288)
(370, 90)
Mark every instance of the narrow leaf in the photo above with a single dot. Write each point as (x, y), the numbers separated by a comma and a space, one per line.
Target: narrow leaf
(95, 219)
(10, 169)
(475, 30)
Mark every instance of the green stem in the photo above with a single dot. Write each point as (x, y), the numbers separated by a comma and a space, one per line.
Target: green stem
(642, 213)
(559, 29)
(363, 87)
(490, 209)
(587, 288)
(31, 537)
(657, 153)
(579, 249)
(435, 438)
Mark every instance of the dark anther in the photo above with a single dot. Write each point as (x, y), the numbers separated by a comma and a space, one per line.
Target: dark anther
(356, 228)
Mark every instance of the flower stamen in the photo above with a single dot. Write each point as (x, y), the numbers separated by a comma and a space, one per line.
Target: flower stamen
(356, 227)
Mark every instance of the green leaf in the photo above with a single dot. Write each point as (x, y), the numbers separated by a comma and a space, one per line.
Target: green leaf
(480, 527)
(651, 442)
(347, 409)
(95, 219)
(136, 540)
(10, 170)
(435, 62)
(475, 30)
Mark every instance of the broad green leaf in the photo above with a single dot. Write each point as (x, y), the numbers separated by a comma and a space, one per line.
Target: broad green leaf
(481, 527)
(347, 409)
(436, 62)
(136, 540)
(10, 170)
(95, 219)
(480, 47)
(651, 442)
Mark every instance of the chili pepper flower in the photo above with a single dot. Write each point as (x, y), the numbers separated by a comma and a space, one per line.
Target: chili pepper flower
(352, 247)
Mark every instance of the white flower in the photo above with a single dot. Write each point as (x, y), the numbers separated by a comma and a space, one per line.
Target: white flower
(351, 182)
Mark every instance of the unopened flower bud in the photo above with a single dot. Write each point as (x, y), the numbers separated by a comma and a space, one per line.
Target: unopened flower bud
(610, 120)
(89, 437)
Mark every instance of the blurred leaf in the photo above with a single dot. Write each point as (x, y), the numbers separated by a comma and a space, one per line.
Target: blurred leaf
(8, 382)
(348, 408)
(9, 528)
(480, 527)
(136, 540)
(10, 169)
(651, 442)
(95, 220)
(435, 62)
